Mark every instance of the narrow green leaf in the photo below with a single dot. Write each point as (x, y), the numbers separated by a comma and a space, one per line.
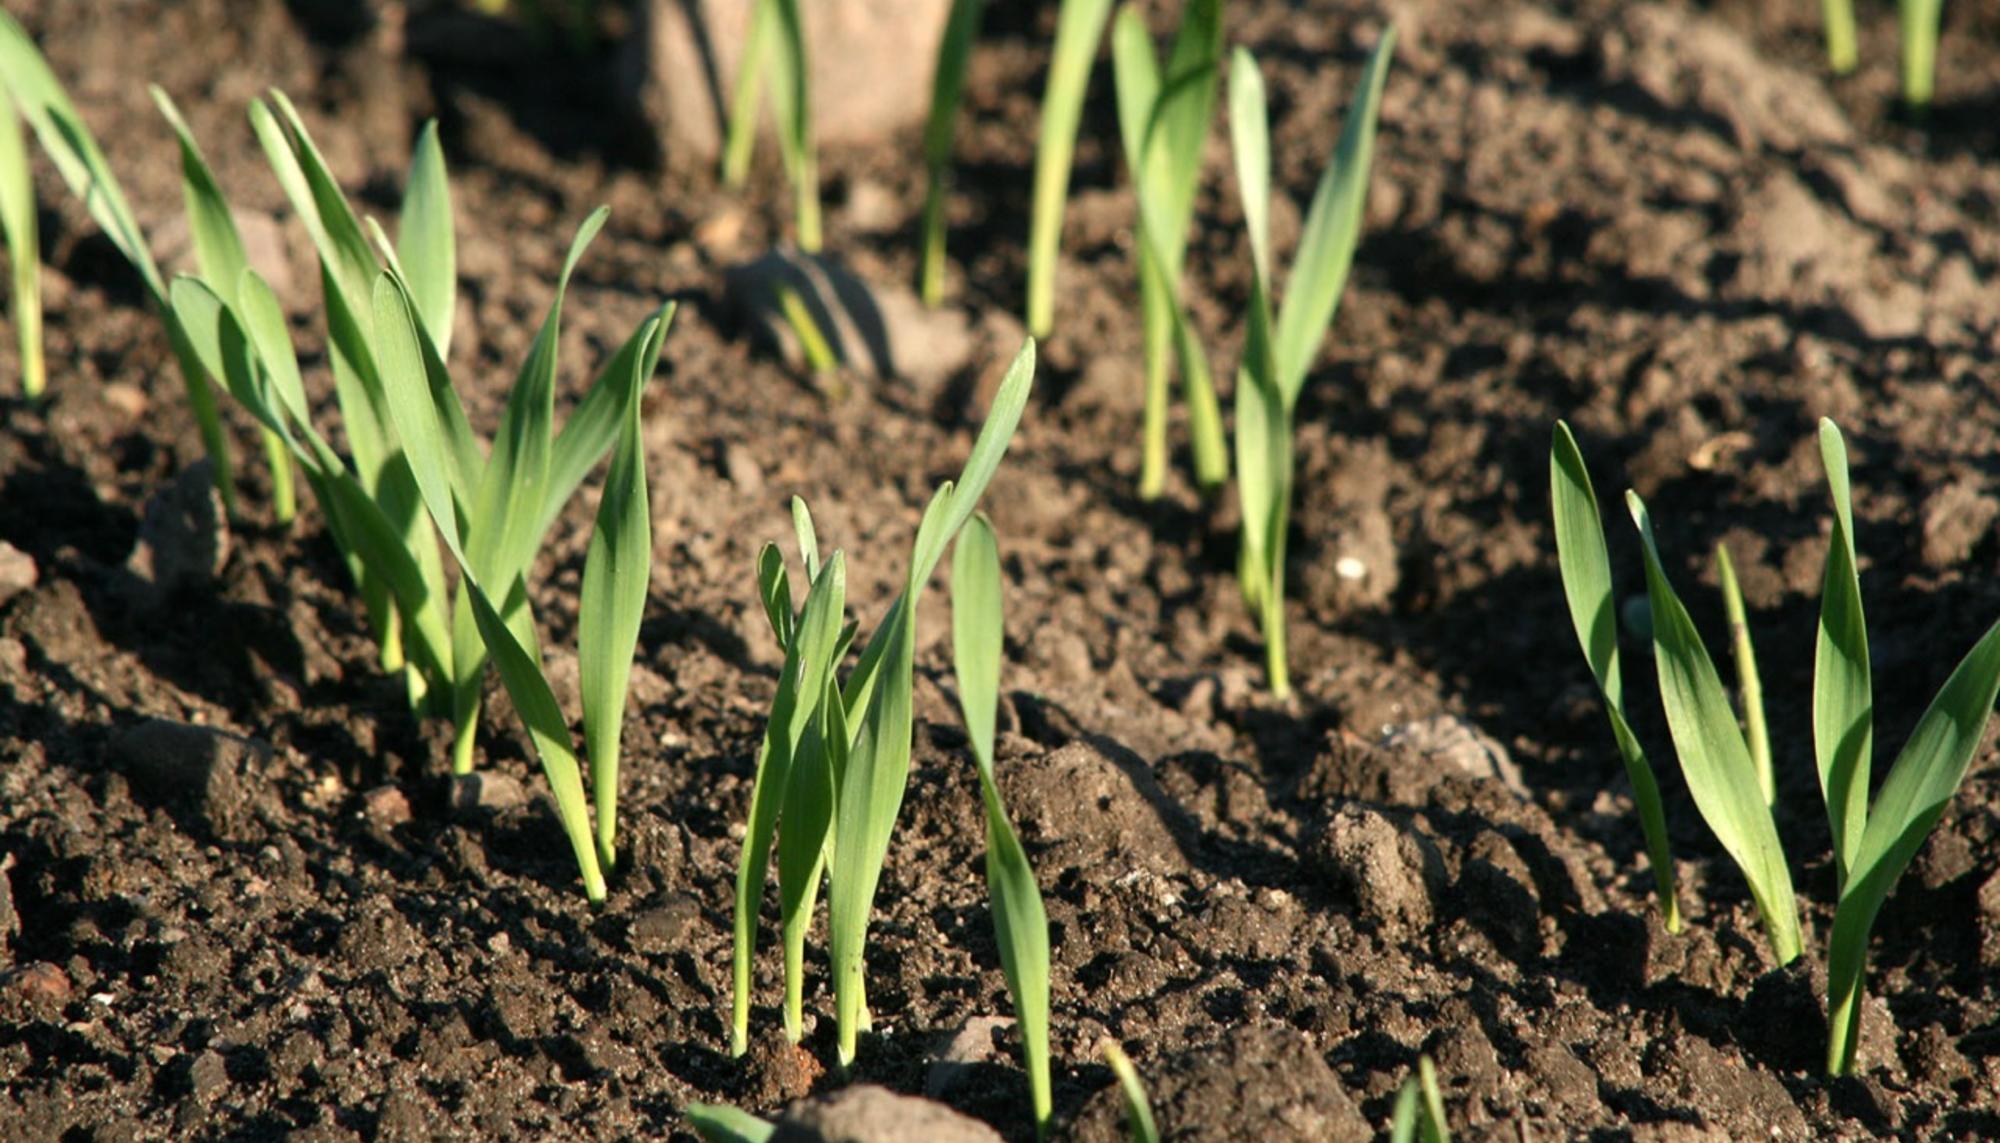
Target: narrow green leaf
(218, 247)
(595, 421)
(808, 538)
(774, 588)
(1409, 1109)
(1020, 924)
(791, 98)
(1843, 700)
(1920, 785)
(426, 246)
(24, 249)
(1138, 1108)
(947, 86)
(747, 93)
(616, 572)
(1714, 758)
(717, 1123)
(1586, 575)
(1332, 230)
(1009, 401)
(316, 196)
(1749, 683)
(1434, 1129)
(1250, 145)
(416, 418)
(1079, 27)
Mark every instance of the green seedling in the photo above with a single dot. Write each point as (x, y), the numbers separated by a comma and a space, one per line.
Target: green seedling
(1163, 117)
(1843, 52)
(39, 98)
(1872, 845)
(775, 52)
(1419, 1114)
(1020, 925)
(1586, 575)
(1079, 27)
(1917, 26)
(717, 1123)
(24, 247)
(1279, 347)
(219, 255)
(1749, 684)
(836, 755)
(947, 86)
(1138, 1108)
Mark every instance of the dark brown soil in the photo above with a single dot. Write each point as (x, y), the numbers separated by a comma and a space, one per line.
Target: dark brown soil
(1663, 222)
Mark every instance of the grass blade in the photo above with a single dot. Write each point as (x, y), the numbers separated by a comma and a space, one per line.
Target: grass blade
(616, 572)
(791, 92)
(1917, 20)
(594, 423)
(24, 248)
(1842, 51)
(1749, 683)
(947, 87)
(1138, 1108)
(1922, 782)
(1020, 924)
(1332, 229)
(1079, 27)
(425, 245)
(1843, 703)
(741, 138)
(1714, 758)
(717, 1123)
(1586, 576)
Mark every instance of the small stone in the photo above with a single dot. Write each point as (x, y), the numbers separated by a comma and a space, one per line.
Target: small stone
(1388, 870)
(1458, 743)
(127, 398)
(484, 792)
(42, 985)
(208, 1076)
(663, 927)
(972, 1044)
(18, 572)
(183, 536)
(385, 807)
(198, 772)
(741, 469)
(871, 207)
(865, 1113)
(1956, 517)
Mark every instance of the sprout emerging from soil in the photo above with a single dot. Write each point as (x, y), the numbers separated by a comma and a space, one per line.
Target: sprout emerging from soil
(1279, 347)
(774, 51)
(1020, 925)
(24, 250)
(1163, 117)
(720, 1123)
(1918, 23)
(39, 98)
(1138, 1106)
(947, 86)
(835, 759)
(1419, 1114)
(1842, 51)
(1079, 27)
(1872, 845)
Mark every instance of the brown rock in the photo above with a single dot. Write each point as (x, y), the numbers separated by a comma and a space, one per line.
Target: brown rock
(865, 1113)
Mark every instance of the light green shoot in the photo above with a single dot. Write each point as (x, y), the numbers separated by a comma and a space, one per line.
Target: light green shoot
(1020, 925)
(718, 1123)
(947, 86)
(1749, 685)
(1842, 50)
(1872, 845)
(1279, 348)
(24, 247)
(615, 570)
(775, 51)
(1079, 27)
(1163, 117)
(1586, 575)
(219, 255)
(1419, 1114)
(1138, 1107)
(40, 99)
(1715, 760)
(836, 756)
(1918, 20)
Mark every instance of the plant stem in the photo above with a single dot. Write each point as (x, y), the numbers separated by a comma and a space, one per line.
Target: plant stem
(466, 737)
(1918, 20)
(1842, 54)
(1748, 683)
(1079, 27)
(1155, 307)
(741, 138)
(284, 492)
(931, 280)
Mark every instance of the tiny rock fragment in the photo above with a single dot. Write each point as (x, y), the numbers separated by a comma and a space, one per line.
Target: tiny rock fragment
(478, 794)
(741, 468)
(1452, 740)
(865, 1113)
(127, 398)
(1386, 868)
(42, 985)
(18, 572)
(385, 807)
(971, 1044)
(663, 926)
(183, 536)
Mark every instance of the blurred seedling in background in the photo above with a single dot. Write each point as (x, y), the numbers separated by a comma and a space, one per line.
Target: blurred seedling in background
(1079, 28)
(775, 55)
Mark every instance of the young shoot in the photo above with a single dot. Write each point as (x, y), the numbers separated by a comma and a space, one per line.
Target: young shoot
(1138, 1106)
(1279, 347)
(1419, 1114)
(836, 754)
(775, 52)
(1079, 27)
(1020, 925)
(24, 249)
(1163, 118)
(947, 86)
